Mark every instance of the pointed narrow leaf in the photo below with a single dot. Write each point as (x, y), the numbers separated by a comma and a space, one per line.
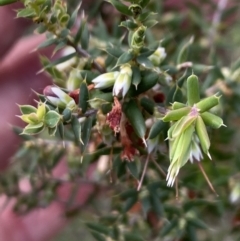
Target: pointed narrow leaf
(135, 118)
(149, 23)
(27, 109)
(76, 127)
(78, 35)
(86, 133)
(156, 128)
(148, 80)
(132, 237)
(144, 3)
(84, 40)
(60, 60)
(145, 62)
(83, 97)
(183, 53)
(125, 58)
(48, 42)
(128, 204)
(73, 17)
(98, 236)
(26, 13)
(121, 7)
(114, 51)
(52, 131)
(129, 24)
(61, 130)
(98, 228)
(132, 167)
(136, 76)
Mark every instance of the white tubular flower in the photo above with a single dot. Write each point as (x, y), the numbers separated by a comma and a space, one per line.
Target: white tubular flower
(195, 153)
(123, 81)
(158, 56)
(184, 147)
(59, 98)
(105, 80)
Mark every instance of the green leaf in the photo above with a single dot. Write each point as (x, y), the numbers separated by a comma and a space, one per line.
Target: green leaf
(147, 104)
(149, 78)
(149, 23)
(86, 132)
(73, 17)
(175, 92)
(83, 97)
(128, 204)
(145, 62)
(64, 19)
(146, 15)
(132, 167)
(98, 236)
(52, 131)
(41, 29)
(197, 223)
(31, 129)
(128, 193)
(169, 227)
(114, 51)
(129, 24)
(121, 7)
(132, 237)
(135, 117)
(146, 52)
(60, 129)
(85, 37)
(183, 53)
(52, 119)
(125, 58)
(48, 42)
(156, 203)
(67, 115)
(27, 109)
(156, 129)
(98, 228)
(79, 33)
(136, 76)
(59, 46)
(144, 3)
(60, 60)
(6, 2)
(26, 13)
(76, 127)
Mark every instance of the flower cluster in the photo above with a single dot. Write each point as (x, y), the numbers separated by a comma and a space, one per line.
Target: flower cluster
(188, 131)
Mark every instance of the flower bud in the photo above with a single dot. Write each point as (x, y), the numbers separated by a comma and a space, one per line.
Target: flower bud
(105, 80)
(137, 38)
(203, 135)
(123, 81)
(212, 120)
(74, 80)
(59, 98)
(158, 56)
(208, 103)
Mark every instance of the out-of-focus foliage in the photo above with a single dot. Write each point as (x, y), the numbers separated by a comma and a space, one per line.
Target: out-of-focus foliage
(127, 98)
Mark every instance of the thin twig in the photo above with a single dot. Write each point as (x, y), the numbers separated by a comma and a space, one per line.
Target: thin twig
(206, 178)
(159, 168)
(143, 173)
(176, 188)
